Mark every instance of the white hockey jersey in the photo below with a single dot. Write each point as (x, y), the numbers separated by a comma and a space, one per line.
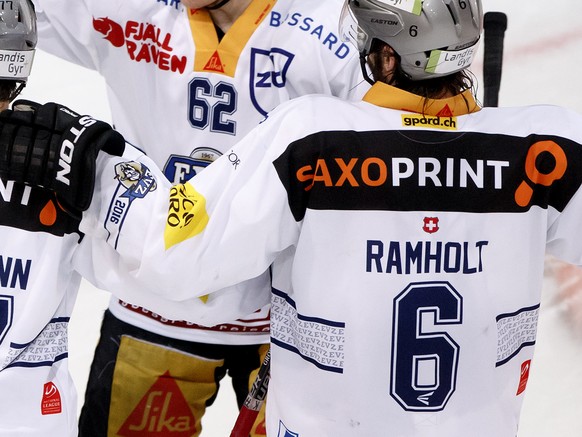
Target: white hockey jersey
(184, 97)
(38, 288)
(41, 258)
(407, 254)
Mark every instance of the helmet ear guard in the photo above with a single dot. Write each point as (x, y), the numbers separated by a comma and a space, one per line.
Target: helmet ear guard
(432, 37)
(18, 37)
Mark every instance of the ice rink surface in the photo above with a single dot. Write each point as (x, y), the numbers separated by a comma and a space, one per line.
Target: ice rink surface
(542, 64)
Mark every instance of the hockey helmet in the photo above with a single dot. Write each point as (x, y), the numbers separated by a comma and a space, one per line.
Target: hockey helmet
(432, 37)
(17, 39)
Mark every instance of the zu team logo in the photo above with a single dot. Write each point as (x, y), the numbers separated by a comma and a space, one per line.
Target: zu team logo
(268, 70)
(135, 182)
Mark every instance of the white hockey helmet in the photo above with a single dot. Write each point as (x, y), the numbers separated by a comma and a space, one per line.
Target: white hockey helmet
(18, 38)
(432, 37)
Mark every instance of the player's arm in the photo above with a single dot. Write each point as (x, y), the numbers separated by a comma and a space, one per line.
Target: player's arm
(185, 240)
(66, 29)
(53, 147)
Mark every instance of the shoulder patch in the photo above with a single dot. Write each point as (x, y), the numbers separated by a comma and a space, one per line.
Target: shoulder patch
(187, 216)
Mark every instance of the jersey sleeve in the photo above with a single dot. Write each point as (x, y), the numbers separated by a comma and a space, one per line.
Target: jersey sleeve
(224, 227)
(65, 30)
(563, 229)
(323, 63)
(101, 265)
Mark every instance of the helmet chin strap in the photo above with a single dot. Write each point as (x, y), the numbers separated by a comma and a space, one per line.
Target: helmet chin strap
(218, 5)
(363, 65)
(18, 90)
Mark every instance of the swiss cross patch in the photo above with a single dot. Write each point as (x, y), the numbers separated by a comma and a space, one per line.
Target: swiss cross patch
(430, 225)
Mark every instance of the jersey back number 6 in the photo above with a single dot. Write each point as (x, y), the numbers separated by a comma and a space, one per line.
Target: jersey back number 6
(424, 356)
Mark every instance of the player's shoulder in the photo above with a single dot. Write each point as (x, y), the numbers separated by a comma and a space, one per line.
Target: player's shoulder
(311, 113)
(318, 18)
(555, 112)
(541, 112)
(310, 102)
(108, 14)
(319, 7)
(564, 121)
(310, 29)
(537, 119)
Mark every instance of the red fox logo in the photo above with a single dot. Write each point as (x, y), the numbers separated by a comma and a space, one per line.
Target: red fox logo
(143, 42)
(113, 32)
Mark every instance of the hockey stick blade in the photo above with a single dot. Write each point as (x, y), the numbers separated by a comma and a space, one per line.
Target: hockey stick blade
(494, 24)
(254, 400)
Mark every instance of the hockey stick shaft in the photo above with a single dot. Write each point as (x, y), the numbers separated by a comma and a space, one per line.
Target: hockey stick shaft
(494, 24)
(254, 400)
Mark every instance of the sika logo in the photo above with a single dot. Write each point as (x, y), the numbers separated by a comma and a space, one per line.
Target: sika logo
(214, 63)
(51, 400)
(446, 112)
(145, 42)
(431, 225)
(163, 411)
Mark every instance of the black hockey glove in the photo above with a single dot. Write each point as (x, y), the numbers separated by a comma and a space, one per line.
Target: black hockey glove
(53, 147)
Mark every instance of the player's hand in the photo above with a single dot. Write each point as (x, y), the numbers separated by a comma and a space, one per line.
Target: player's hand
(53, 147)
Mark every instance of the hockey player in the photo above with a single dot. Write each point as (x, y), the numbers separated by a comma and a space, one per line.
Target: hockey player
(38, 284)
(406, 233)
(38, 278)
(42, 257)
(186, 80)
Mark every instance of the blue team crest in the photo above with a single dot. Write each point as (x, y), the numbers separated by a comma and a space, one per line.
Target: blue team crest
(136, 178)
(268, 70)
(136, 181)
(180, 169)
(285, 432)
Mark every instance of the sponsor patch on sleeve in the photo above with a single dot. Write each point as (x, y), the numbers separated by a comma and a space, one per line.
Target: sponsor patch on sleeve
(136, 181)
(187, 216)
